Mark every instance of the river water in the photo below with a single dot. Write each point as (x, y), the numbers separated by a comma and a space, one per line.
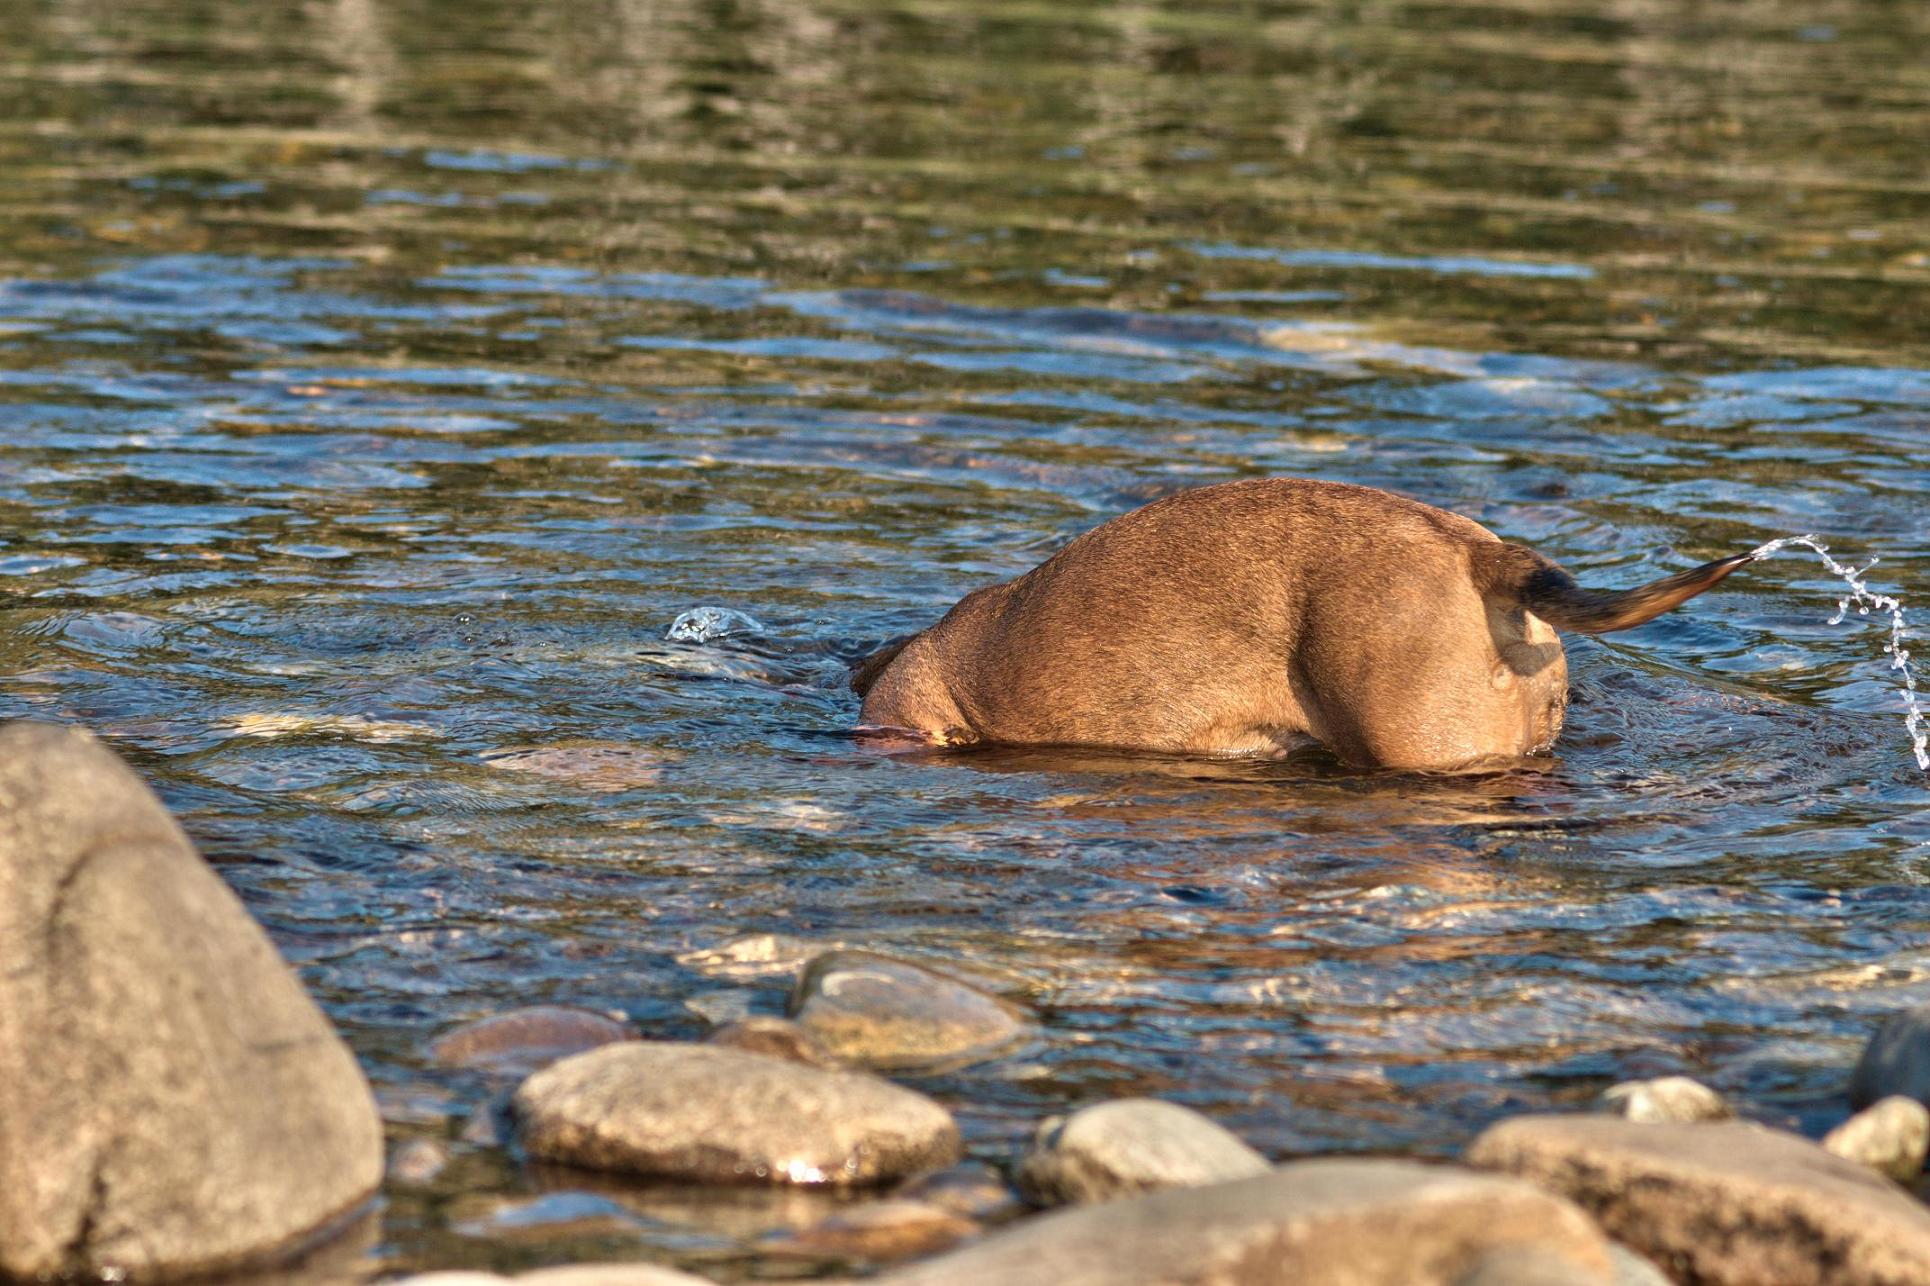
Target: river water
(379, 379)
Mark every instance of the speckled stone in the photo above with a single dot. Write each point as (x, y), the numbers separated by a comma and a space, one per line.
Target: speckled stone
(1890, 1137)
(879, 1012)
(1309, 1222)
(717, 1115)
(1127, 1147)
(1723, 1203)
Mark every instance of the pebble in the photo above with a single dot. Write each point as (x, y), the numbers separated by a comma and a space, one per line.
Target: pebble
(883, 1013)
(522, 1040)
(1723, 1201)
(710, 1114)
(1667, 1098)
(1890, 1137)
(1130, 1146)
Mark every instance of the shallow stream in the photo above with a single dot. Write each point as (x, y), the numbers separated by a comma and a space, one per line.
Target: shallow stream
(379, 380)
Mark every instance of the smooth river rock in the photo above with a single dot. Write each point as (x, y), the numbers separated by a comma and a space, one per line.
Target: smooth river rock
(1128, 1147)
(717, 1115)
(174, 1104)
(879, 1012)
(1365, 1223)
(1890, 1137)
(522, 1040)
(1667, 1098)
(1896, 1061)
(1723, 1202)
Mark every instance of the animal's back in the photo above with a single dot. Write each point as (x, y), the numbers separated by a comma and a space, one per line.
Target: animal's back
(1175, 626)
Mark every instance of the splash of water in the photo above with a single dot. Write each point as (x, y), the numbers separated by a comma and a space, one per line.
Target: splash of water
(702, 624)
(1863, 598)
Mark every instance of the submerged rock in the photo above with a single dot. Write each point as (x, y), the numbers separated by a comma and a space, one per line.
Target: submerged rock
(1667, 1098)
(884, 1013)
(775, 1037)
(717, 1115)
(971, 1189)
(1127, 1147)
(875, 1232)
(1312, 1221)
(522, 1040)
(1896, 1061)
(1891, 1138)
(174, 1103)
(1723, 1202)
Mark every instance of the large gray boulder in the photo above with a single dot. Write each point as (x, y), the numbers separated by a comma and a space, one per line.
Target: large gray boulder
(1723, 1203)
(174, 1104)
(712, 1114)
(1367, 1223)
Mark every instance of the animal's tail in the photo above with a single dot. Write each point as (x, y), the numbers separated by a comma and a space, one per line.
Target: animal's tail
(866, 672)
(1516, 574)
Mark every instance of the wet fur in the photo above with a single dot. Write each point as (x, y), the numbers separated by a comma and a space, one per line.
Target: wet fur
(1248, 617)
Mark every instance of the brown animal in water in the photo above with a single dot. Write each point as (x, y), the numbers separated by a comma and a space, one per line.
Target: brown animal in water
(1248, 617)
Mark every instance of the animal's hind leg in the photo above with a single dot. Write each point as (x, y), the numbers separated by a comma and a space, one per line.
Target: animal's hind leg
(909, 695)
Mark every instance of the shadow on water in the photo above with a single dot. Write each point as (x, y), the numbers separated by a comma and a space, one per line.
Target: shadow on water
(380, 380)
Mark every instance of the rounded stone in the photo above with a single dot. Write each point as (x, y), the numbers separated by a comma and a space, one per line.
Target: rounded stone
(716, 1115)
(1667, 1098)
(1130, 1146)
(1896, 1061)
(174, 1102)
(522, 1040)
(884, 1013)
(1890, 1137)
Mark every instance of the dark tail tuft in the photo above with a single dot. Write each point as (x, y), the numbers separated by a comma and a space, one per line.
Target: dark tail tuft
(1517, 574)
(866, 672)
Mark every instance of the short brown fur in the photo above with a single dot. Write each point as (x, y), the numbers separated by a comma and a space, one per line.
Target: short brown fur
(1249, 617)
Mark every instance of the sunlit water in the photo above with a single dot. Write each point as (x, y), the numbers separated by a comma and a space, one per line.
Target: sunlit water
(382, 380)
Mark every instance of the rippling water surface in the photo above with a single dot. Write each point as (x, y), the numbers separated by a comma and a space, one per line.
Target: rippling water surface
(379, 379)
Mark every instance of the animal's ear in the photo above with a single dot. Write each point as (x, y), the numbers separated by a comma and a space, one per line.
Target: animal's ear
(1519, 577)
